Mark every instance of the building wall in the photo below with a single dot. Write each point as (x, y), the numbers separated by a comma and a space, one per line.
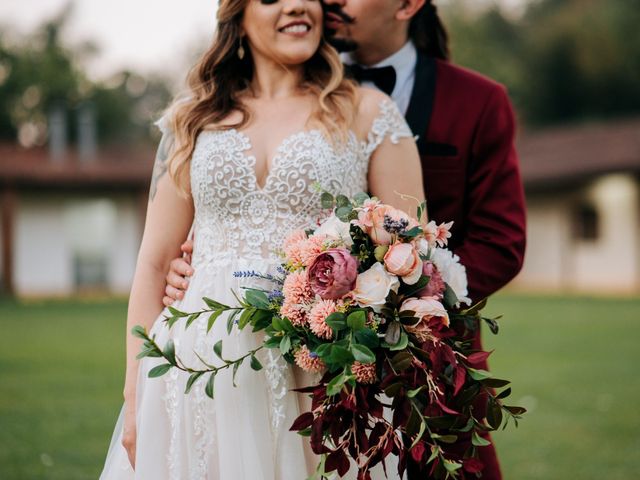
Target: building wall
(559, 260)
(52, 232)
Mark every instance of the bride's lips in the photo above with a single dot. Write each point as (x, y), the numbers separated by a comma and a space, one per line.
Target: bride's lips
(299, 28)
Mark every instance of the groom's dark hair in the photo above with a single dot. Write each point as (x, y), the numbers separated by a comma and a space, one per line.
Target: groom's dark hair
(428, 32)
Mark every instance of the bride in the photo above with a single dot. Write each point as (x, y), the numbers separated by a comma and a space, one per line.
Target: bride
(267, 119)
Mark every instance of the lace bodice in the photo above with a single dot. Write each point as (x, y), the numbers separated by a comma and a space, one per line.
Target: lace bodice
(236, 218)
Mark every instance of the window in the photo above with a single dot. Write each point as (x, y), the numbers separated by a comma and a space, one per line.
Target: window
(586, 223)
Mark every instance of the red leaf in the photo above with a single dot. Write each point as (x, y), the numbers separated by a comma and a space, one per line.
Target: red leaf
(445, 408)
(478, 357)
(461, 374)
(472, 465)
(417, 451)
(303, 421)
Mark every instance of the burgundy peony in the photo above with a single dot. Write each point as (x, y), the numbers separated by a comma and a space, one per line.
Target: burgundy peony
(436, 285)
(333, 273)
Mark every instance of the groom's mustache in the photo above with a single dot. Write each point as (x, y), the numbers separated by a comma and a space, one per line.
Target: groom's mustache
(336, 11)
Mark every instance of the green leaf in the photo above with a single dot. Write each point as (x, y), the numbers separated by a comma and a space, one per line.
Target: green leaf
(336, 321)
(212, 318)
(177, 313)
(255, 363)
(326, 200)
(217, 348)
(359, 198)
(446, 438)
(494, 415)
(192, 318)
(340, 355)
(413, 393)
(245, 316)
(192, 379)
(493, 325)
(504, 393)
(515, 410)
(402, 344)
(256, 298)
(367, 337)
(478, 441)
(236, 366)
(170, 352)
(435, 451)
(213, 305)
(285, 345)
(140, 332)
(261, 319)
(357, 320)
(335, 386)
(231, 320)
(451, 466)
(495, 383)
(343, 213)
(412, 233)
(208, 389)
(401, 361)
(159, 370)
(478, 374)
(450, 298)
(393, 389)
(362, 354)
(392, 337)
(342, 201)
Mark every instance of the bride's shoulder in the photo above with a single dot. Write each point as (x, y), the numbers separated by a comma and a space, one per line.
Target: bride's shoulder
(369, 105)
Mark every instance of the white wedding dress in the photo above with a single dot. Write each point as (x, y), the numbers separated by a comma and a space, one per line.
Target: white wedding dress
(243, 433)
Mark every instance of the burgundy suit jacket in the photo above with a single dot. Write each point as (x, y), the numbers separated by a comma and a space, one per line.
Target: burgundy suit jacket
(466, 129)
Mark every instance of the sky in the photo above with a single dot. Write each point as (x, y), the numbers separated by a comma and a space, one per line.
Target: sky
(143, 35)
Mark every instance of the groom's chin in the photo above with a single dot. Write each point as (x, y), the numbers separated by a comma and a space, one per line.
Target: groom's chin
(342, 45)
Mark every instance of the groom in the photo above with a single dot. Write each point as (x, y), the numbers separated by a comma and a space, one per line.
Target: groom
(465, 128)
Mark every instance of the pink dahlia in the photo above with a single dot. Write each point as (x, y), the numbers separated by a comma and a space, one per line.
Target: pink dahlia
(308, 361)
(364, 372)
(293, 246)
(296, 288)
(333, 273)
(318, 316)
(310, 249)
(294, 312)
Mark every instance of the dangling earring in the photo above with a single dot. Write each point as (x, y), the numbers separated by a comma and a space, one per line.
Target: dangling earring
(241, 50)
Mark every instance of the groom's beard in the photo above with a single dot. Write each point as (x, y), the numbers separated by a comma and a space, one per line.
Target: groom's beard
(340, 43)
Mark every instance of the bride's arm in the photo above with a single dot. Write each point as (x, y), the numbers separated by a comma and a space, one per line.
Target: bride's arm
(395, 172)
(169, 218)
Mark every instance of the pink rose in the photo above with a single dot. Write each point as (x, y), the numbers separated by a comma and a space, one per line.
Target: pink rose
(333, 273)
(402, 259)
(436, 286)
(431, 314)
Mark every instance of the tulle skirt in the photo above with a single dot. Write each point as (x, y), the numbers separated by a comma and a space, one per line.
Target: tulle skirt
(240, 434)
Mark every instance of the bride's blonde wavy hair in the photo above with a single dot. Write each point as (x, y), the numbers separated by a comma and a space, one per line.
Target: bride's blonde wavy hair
(216, 80)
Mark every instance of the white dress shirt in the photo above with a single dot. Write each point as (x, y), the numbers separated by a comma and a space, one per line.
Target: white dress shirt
(404, 63)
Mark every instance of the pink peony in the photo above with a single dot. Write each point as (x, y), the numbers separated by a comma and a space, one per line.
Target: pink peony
(317, 318)
(436, 286)
(293, 246)
(296, 288)
(294, 312)
(308, 361)
(333, 273)
(310, 249)
(365, 373)
(402, 259)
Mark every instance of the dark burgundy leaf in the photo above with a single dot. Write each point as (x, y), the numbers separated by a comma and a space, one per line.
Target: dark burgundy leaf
(478, 357)
(417, 452)
(303, 421)
(472, 465)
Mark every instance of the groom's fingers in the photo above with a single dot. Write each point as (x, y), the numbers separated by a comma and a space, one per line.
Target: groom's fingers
(177, 280)
(180, 266)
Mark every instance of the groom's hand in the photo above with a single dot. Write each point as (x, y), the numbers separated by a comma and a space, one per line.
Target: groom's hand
(179, 271)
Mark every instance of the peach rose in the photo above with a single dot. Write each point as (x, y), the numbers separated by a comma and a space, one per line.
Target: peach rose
(402, 259)
(426, 308)
(373, 286)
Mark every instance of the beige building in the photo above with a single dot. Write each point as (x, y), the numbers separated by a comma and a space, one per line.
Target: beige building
(583, 201)
(72, 221)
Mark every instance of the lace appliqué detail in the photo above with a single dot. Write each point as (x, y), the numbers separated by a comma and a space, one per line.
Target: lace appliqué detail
(171, 405)
(389, 122)
(276, 373)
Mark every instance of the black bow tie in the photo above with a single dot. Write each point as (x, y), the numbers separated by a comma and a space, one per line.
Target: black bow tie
(382, 77)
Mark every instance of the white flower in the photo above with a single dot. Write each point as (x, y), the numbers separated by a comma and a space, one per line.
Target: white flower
(452, 271)
(423, 247)
(373, 286)
(335, 229)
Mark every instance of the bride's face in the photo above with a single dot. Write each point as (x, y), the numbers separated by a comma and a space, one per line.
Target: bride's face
(285, 31)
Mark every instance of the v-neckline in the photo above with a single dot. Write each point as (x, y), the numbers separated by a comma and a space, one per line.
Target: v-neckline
(272, 163)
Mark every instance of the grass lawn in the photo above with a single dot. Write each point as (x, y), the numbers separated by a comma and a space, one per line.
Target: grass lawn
(572, 361)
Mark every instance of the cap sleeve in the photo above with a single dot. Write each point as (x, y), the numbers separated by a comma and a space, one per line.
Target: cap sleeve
(389, 122)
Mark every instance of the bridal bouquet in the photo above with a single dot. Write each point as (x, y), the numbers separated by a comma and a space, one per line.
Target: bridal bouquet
(374, 303)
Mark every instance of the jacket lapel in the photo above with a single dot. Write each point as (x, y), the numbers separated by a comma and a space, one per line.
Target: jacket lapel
(422, 97)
